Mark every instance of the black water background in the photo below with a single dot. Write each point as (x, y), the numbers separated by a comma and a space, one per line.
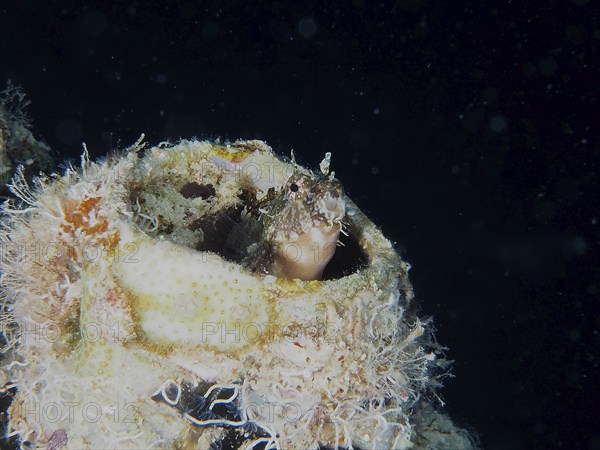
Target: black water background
(468, 132)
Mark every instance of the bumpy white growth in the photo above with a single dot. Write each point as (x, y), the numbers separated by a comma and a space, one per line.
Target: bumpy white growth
(332, 362)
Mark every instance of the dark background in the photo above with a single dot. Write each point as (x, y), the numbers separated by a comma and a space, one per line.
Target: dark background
(467, 130)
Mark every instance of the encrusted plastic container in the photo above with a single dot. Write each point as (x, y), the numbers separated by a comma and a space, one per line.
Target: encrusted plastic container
(146, 305)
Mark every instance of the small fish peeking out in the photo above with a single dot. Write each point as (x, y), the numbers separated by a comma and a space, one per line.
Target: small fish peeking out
(302, 226)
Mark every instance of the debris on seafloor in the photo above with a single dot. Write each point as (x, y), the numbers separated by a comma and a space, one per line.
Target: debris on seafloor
(208, 295)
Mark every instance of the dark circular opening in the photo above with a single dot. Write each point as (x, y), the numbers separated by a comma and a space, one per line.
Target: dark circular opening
(229, 235)
(234, 232)
(347, 259)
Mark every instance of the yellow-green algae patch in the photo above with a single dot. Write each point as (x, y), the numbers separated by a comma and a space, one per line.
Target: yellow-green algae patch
(181, 297)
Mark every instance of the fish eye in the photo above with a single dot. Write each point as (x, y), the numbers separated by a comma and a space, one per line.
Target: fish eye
(294, 187)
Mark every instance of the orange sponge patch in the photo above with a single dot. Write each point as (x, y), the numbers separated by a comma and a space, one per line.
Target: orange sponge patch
(84, 215)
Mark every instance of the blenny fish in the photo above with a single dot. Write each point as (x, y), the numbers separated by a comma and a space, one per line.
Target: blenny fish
(295, 225)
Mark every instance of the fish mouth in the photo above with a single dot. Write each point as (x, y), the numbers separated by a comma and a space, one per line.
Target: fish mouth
(332, 211)
(312, 249)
